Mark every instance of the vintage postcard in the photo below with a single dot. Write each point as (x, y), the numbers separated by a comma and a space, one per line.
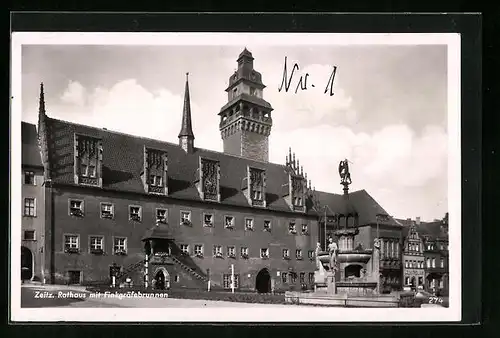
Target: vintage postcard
(222, 177)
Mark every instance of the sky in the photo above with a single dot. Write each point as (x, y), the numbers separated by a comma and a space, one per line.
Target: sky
(388, 114)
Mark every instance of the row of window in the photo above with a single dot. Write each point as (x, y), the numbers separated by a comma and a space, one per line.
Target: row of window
(286, 277)
(96, 244)
(76, 208)
(389, 249)
(430, 263)
(198, 251)
(414, 247)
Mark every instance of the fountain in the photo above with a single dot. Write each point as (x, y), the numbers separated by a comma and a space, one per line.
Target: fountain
(346, 275)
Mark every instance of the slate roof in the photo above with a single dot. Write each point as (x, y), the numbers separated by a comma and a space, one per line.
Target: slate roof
(123, 163)
(433, 229)
(30, 153)
(162, 231)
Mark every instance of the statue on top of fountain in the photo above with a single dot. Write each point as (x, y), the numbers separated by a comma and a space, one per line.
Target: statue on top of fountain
(332, 252)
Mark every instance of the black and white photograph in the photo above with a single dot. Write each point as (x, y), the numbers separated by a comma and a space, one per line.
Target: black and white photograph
(275, 177)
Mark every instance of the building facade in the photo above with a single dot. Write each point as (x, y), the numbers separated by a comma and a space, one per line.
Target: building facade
(127, 208)
(433, 237)
(413, 257)
(33, 210)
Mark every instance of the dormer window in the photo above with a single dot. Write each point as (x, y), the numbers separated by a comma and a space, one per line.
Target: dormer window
(256, 187)
(88, 160)
(155, 171)
(208, 180)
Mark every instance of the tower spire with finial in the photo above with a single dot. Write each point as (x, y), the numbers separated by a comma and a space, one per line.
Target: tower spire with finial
(43, 134)
(186, 136)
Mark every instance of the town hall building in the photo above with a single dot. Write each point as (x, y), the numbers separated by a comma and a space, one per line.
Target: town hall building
(160, 214)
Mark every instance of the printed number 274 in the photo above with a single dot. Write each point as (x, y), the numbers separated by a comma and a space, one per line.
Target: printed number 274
(435, 300)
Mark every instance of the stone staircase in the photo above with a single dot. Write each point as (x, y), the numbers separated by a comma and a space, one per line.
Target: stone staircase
(140, 264)
(132, 267)
(189, 270)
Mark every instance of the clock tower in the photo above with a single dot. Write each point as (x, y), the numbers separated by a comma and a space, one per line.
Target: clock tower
(245, 120)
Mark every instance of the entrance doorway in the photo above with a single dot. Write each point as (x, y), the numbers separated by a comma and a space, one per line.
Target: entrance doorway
(162, 279)
(26, 263)
(263, 281)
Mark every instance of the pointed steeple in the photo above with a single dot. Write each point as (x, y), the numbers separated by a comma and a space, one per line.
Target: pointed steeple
(186, 136)
(41, 106)
(43, 134)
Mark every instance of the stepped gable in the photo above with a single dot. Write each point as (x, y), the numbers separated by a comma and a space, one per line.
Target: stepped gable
(123, 157)
(30, 151)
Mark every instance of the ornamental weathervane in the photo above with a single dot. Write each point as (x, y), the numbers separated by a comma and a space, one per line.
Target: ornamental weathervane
(345, 175)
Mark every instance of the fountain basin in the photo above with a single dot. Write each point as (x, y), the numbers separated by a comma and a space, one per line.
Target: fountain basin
(350, 256)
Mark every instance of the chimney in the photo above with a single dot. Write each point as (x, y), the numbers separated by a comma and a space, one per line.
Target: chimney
(417, 220)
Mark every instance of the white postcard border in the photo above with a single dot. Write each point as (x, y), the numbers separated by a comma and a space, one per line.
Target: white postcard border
(241, 314)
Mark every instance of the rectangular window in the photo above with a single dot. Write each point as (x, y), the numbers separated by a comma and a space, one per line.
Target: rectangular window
(29, 235)
(120, 245)
(291, 228)
(244, 252)
(284, 277)
(96, 243)
(29, 207)
(428, 262)
(267, 225)
(135, 213)
(264, 253)
(248, 223)
(442, 263)
(302, 278)
(229, 222)
(107, 210)
(76, 208)
(231, 251)
(304, 229)
(286, 253)
(186, 217)
(420, 280)
(29, 177)
(184, 248)
(161, 215)
(252, 91)
(226, 281)
(198, 250)
(293, 277)
(208, 220)
(433, 262)
(311, 277)
(217, 250)
(310, 254)
(71, 242)
(298, 254)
